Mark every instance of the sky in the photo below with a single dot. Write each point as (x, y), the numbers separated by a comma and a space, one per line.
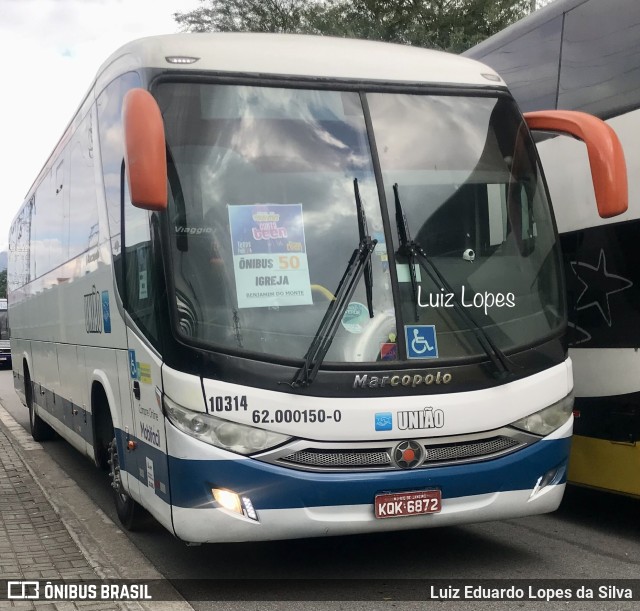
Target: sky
(51, 50)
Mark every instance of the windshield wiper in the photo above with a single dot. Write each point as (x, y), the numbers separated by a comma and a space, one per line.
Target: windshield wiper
(407, 247)
(359, 264)
(414, 252)
(365, 238)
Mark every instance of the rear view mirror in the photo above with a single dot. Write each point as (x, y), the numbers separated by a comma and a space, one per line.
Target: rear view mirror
(606, 157)
(145, 150)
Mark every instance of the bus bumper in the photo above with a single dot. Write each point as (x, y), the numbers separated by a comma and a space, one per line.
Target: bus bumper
(295, 504)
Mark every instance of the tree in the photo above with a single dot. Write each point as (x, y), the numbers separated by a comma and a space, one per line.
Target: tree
(3, 283)
(478, 19)
(246, 16)
(449, 25)
(452, 25)
(389, 20)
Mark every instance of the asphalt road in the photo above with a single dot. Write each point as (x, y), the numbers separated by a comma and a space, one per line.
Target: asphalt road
(592, 536)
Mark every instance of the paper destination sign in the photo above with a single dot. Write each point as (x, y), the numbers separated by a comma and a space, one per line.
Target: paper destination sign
(269, 255)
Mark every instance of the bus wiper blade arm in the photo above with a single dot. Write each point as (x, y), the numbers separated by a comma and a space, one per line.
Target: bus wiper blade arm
(414, 252)
(359, 264)
(365, 238)
(407, 247)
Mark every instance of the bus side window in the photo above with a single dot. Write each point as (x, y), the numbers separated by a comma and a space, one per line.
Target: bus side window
(83, 233)
(133, 259)
(19, 270)
(47, 239)
(109, 105)
(139, 284)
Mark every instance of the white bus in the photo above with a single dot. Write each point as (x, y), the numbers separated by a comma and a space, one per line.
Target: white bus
(286, 286)
(584, 55)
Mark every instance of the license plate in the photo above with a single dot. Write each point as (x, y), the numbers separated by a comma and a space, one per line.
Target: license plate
(401, 504)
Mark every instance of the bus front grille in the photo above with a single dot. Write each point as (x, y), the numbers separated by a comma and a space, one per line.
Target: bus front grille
(358, 457)
(339, 459)
(470, 450)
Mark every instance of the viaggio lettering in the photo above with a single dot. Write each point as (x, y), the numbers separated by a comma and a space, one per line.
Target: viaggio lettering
(193, 230)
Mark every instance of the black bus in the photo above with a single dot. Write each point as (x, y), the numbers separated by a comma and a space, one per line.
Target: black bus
(584, 55)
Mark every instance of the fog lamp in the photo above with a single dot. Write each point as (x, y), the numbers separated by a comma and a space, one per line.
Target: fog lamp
(551, 478)
(227, 499)
(232, 502)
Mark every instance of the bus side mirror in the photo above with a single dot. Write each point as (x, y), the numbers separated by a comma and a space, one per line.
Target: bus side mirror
(606, 157)
(144, 150)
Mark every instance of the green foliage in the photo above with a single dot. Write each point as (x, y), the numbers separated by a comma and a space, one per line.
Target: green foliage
(3, 283)
(451, 25)
(246, 16)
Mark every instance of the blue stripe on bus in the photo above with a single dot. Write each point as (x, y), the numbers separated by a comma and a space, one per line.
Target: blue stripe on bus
(274, 487)
(134, 463)
(80, 421)
(188, 483)
(71, 415)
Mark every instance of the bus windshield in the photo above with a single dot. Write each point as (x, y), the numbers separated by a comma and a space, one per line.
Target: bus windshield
(263, 221)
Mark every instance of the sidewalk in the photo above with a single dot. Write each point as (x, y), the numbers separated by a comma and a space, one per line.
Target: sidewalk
(50, 529)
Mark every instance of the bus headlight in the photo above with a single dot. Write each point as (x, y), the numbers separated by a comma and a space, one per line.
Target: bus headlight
(232, 436)
(548, 419)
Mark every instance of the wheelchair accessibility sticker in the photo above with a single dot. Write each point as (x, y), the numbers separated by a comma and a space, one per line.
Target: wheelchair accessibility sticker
(421, 341)
(133, 365)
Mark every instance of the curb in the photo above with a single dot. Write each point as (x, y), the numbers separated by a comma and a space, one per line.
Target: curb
(104, 545)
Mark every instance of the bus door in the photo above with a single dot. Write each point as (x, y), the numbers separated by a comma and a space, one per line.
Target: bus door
(145, 366)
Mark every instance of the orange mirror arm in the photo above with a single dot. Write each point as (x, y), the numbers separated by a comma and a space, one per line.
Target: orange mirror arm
(606, 157)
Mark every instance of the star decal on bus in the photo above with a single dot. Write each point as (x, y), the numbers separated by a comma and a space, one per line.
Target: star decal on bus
(599, 284)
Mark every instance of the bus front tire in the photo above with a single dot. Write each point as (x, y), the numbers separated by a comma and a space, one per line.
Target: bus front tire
(129, 512)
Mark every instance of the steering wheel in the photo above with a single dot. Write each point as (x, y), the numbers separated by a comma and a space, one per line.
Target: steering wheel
(325, 292)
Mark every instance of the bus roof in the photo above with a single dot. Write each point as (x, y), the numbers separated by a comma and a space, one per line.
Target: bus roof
(301, 56)
(314, 57)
